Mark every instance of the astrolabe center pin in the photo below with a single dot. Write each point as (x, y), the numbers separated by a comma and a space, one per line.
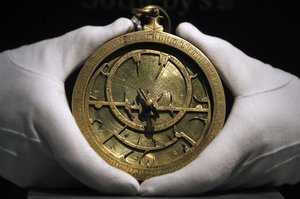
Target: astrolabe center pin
(148, 102)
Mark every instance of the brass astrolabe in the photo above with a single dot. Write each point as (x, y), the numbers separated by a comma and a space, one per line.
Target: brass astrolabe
(148, 102)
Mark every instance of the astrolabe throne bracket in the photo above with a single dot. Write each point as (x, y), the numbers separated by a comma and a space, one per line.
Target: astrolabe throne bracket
(148, 102)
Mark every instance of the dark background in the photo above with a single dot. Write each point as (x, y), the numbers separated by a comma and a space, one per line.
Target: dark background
(265, 29)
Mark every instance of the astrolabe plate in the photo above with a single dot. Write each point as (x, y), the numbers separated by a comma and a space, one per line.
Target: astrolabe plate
(148, 103)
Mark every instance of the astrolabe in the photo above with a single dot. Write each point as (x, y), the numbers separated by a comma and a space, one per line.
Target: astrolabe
(148, 102)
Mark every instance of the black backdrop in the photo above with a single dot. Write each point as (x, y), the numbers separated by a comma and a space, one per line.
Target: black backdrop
(265, 29)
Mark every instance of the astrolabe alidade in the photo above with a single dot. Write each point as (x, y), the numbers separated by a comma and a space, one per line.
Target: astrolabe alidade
(148, 102)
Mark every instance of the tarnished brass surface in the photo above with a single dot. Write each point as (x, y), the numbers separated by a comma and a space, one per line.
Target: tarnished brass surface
(148, 102)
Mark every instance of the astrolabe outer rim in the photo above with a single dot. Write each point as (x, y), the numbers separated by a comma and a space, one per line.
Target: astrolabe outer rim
(79, 94)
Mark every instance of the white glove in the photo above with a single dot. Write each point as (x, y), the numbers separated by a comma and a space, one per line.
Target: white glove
(40, 143)
(260, 142)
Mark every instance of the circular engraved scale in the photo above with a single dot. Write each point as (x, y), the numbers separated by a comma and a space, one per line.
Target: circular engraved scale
(148, 102)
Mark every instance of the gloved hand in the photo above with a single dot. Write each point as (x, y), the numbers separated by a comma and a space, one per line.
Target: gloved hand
(40, 143)
(260, 142)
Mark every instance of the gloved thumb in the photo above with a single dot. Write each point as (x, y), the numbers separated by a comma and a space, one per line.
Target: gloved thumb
(58, 57)
(236, 68)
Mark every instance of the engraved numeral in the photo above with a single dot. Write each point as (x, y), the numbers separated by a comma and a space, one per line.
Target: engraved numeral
(105, 69)
(136, 157)
(185, 148)
(127, 106)
(113, 148)
(147, 159)
(137, 60)
(138, 141)
(93, 121)
(175, 152)
(163, 60)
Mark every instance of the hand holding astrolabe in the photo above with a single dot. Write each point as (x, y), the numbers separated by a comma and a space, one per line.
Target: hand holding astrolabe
(260, 142)
(40, 143)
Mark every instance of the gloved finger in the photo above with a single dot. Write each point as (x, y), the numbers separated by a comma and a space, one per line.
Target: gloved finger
(236, 68)
(209, 171)
(72, 151)
(59, 57)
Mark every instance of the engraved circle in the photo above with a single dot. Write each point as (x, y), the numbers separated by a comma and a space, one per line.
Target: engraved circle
(174, 70)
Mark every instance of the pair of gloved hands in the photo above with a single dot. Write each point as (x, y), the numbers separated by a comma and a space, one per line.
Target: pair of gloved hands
(41, 145)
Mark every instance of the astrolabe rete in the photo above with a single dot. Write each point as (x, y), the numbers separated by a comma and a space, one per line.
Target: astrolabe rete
(148, 102)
